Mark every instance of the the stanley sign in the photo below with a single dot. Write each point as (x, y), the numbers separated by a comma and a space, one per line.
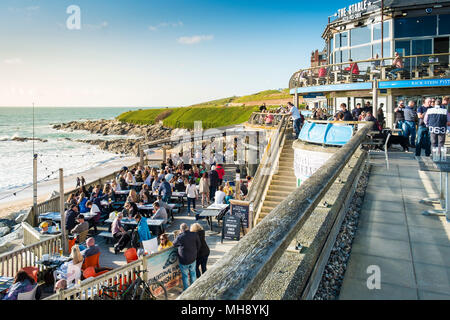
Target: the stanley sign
(355, 10)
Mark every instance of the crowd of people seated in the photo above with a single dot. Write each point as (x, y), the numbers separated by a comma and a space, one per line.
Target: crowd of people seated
(361, 114)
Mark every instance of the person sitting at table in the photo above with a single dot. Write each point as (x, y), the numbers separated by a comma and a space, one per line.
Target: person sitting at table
(72, 199)
(353, 68)
(115, 186)
(160, 213)
(82, 203)
(96, 212)
(22, 283)
(228, 195)
(130, 179)
(76, 259)
(96, 193)
(108, 192)
(164, 242)
(60, 285)
(219, 196)
(71, 216)
(80, 229)
(138, 176)
(165, 190)
(132, 196)
(398, 65)
(130, 210)
(145, 198)
(122, 237)
(44, 228)
(92, 248)
(143, 232)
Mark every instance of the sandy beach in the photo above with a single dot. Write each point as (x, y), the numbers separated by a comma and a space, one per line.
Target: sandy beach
(24, 200)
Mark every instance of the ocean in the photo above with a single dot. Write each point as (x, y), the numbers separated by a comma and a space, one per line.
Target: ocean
(16, 158)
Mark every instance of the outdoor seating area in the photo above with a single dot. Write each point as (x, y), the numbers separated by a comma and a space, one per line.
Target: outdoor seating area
(391, 68)
(135, 201)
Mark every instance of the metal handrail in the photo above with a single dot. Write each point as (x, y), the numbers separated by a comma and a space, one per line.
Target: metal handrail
(240, 273)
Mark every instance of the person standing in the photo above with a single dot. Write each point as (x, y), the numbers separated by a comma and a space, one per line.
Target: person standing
(188, 245)
(203, 254)
(165, 189)
(221, 172)
(78, 182)
(423, 135)
(347, 116)
(357, 112)
(409, 125)
(204, 189)
(295, 113)
(191, 194)
(437, 119)
(213, 182)
(399, 115)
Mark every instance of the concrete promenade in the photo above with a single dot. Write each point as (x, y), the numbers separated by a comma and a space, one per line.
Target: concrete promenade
(411, 250)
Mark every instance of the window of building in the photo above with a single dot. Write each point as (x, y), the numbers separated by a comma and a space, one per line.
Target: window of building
(421, 47)
(360, 35)
(361, 53)
(386, 49)
(341, 39)
(415, 27)
(377, 30)
(331, 45)
(344, 56)
(444, 24)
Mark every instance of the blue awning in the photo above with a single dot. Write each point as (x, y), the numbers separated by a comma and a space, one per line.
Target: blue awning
(328, 134)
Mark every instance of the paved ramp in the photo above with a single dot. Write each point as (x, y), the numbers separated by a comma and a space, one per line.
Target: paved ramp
(411, 250)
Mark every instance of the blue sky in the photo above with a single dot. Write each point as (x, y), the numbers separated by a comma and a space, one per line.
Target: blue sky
(153, 53)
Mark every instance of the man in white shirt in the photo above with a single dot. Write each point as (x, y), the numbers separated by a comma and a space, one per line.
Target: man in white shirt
(95, 210)
(219, 196)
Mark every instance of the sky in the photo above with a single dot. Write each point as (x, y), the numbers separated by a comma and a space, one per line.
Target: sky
(153, 53)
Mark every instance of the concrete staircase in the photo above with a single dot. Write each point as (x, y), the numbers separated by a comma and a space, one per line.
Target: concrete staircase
(283, 182)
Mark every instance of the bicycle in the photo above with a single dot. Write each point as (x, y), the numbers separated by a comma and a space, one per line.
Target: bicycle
(137, 290)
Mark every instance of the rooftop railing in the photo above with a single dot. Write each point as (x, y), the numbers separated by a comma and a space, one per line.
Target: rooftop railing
(424, 66)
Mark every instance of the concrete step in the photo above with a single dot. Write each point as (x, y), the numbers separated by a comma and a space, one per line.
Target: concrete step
(284, 179)
(270, 204)
(285, 188)
(280, 196)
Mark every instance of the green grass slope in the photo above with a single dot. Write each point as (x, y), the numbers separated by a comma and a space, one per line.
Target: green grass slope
(213, 114)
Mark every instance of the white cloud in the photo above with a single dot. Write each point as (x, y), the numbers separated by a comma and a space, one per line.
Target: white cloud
(165, 25)
(13, 61)
(195, 39)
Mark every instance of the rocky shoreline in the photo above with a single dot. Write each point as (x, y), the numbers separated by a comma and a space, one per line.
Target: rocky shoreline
(140, 133)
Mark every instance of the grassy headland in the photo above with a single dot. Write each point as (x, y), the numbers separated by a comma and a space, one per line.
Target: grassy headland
(213, 114)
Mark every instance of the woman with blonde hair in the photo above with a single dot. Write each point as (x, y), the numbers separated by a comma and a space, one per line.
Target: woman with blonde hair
(129, 179)
(77, 258)
(203, 253)
(204, 189)
(132, 196)
(164, 242)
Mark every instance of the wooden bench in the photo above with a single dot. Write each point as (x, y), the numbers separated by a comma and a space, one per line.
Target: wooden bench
(107, 235)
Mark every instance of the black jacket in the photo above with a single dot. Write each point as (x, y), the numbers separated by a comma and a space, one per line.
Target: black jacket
(204, 249)
(213, 178)
(189, 245)
(70, 219)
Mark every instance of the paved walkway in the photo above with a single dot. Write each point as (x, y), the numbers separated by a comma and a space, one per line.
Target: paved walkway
(411, 250)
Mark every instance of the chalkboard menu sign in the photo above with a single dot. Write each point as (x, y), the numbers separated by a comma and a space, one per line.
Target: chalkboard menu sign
(231, 228)
(241, 209)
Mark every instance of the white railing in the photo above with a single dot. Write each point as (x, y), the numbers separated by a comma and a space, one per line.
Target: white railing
(12, 262)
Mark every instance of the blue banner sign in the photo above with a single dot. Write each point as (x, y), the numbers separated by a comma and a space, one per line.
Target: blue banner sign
(328, 134)
(414, 83)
